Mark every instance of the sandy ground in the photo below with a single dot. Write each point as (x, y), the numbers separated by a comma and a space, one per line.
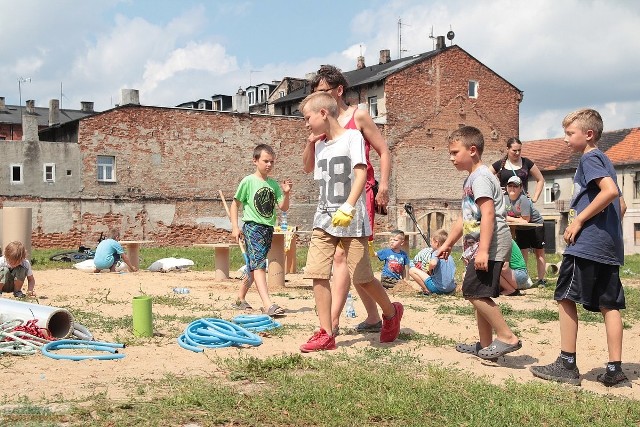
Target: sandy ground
(147, 359)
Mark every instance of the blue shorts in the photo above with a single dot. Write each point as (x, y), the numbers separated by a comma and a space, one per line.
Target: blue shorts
(522, 278)
(428, 282)
(257, 238)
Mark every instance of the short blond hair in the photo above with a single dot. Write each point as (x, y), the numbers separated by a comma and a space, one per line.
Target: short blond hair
(586, 119)
(399, 233)
(440, 235)
(15, 252)
(469, 136)
(318, 101)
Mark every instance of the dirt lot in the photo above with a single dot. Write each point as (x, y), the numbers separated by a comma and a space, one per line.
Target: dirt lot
(109, 296)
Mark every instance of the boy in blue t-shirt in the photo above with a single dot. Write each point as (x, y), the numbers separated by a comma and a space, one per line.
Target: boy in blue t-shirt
(109, 252)
(589, 273)
(396, 261)
(436, 276)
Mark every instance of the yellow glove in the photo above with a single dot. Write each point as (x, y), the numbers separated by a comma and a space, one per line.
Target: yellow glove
(343, 216)
(372, 253)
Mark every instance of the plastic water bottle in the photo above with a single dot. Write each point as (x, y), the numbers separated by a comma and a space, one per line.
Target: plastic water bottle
(283, 221)
(350, 311)
(181, 290)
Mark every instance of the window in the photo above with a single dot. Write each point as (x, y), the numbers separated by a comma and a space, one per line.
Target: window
(549, 194)
(281, 93)
(106, 168)
(373, 106)
(636, 234)
(49, 172)
(252, 97)
(217, 105)
(16, 174)
(202, 105)
(264, 94)
(636, 185)
(473, 89)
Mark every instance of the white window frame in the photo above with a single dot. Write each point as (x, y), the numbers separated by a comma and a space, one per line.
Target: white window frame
(549, 197)
(202, 105)
(263, 95)
(21, 170)
(473, 89)
(104, 166)
(252, 97)
(373, 106)
(281, 94)
(52, 173)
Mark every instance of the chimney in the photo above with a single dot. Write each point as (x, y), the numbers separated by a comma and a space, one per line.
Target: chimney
(440, 43)
(31, 106)
(385, 56)
(86, 107)
(3, 106)
(240, 102)
(54, 112)
(360, 65)
(30, 123)
(130, 96)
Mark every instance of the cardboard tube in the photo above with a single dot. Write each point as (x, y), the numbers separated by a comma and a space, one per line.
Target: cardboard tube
(142, 316)
(16, 225)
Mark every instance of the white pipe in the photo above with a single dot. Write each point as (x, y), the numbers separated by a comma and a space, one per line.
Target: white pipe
(58, 321)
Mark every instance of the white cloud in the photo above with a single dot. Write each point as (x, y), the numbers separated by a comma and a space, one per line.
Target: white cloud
(202, 57)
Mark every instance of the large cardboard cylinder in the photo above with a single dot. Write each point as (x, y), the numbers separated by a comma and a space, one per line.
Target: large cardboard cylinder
(16, 225)
(142, 316)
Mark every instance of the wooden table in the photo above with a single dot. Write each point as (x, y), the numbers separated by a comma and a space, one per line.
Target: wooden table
(133, 250)
(405, 245)
(221, 257)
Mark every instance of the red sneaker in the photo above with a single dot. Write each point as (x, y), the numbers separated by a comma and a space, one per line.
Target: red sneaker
(391, 327)
(319, 341)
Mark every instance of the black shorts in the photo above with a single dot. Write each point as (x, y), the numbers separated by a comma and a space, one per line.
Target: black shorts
(590, 283)
(530, 238)
(482, 284)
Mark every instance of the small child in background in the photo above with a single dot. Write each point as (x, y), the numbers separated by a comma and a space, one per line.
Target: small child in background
(514, 275)
(14, 269)
(396, 261)
(109, 252)
(436, 276)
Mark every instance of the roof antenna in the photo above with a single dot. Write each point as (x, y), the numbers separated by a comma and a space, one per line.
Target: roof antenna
(432, 38)
(400, 49)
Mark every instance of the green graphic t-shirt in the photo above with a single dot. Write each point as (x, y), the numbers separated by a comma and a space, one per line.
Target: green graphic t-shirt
(259, 199)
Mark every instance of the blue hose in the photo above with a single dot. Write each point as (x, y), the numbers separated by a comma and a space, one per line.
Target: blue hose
(83, 345)
(215, 333)
(256, 322)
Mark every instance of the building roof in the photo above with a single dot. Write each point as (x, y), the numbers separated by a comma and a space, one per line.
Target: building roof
(621, 146)
(375, 73)
(12, 115)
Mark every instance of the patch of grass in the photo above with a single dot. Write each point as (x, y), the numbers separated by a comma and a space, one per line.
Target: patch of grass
(370, 388)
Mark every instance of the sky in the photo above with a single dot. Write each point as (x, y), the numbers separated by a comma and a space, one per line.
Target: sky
(563, 54)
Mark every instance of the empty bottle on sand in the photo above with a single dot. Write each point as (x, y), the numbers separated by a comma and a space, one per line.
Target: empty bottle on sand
(350, 311)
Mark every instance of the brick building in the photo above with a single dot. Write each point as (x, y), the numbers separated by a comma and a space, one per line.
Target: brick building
(156, 171)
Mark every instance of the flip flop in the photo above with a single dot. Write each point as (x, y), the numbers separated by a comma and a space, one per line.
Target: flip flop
(498, 348)
(472, 349)
(274, 311)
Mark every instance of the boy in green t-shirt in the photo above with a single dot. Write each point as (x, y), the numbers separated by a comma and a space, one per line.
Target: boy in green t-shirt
(258, 194)
(515, 276)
